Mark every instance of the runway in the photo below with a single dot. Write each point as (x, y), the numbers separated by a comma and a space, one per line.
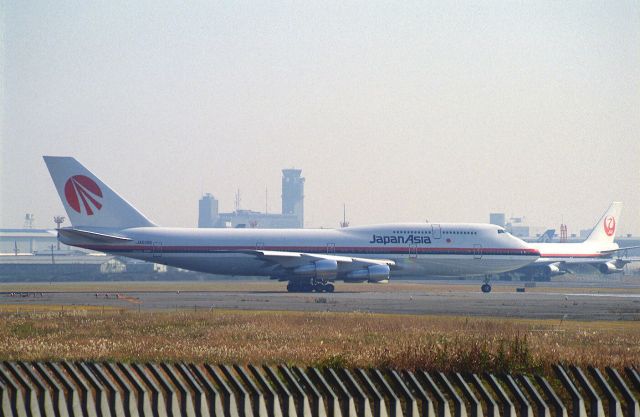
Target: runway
(560, 301)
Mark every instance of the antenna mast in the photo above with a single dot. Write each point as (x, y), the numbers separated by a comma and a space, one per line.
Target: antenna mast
(344, 222)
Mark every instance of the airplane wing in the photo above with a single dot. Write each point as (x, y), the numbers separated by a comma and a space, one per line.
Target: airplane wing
(346, 267)
(296, 258)
(558, 266)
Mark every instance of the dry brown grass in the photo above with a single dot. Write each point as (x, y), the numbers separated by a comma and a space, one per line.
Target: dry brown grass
(322, 339)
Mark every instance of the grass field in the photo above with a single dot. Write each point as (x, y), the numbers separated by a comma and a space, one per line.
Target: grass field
(321, 339)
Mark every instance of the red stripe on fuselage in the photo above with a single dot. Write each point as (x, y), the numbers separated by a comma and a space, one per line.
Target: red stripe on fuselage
(311, 249)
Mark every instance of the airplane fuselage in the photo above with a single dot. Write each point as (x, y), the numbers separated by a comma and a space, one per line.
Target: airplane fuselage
(573, 250)
(418, 249)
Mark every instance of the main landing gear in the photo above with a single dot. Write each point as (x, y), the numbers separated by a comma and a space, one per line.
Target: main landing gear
(486, 287)
(310, 286)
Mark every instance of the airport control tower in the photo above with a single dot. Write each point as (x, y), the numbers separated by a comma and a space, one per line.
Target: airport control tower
(293, 194)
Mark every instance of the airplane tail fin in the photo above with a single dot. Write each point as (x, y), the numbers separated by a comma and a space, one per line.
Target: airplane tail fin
(88, 201)
(605, 230)
(547, 236)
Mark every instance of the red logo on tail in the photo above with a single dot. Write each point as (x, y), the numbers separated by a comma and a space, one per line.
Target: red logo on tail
(610, 225)
(80, 188)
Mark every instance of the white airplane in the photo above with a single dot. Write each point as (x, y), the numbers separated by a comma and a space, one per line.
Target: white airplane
(597, 250)
(309, 259)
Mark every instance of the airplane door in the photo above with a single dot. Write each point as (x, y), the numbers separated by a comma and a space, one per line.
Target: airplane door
(436, 231)
(157, 249)
(331, 248)
(477, 251)
(413, 251)
(259, 245)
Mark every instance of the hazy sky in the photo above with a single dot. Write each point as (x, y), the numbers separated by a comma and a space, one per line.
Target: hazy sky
(405, 111)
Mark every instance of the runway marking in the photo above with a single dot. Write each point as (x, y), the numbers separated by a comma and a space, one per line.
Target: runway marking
(600, 295)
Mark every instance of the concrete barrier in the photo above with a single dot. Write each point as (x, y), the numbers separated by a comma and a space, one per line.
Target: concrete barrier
(214, 398)
(543, 409)
(87, 389)
(410, 401)
(426, 408)
(578, 407)
(30, 392)
(490, 403)
(303, 409)
(614, 409)
(100, 394)
(525, 407)
(272, 402)
(475, 408)
(552, 398)
(459, 407)
(329, 394)
(348, 406)
(200, 403)
(632, 403)
(443, 405)
(595, 403)
(508, 409)
(316, 403)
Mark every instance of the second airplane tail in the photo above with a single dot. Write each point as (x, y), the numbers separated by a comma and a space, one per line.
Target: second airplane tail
(605, 230)
(88, 201)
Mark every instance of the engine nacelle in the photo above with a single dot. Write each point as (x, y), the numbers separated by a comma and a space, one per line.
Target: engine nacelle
(324, 268)
(378, 274)
(553, 270)
(609, 268)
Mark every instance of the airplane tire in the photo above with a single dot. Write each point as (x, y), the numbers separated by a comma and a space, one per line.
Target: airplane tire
(326, 287)
(486, 288)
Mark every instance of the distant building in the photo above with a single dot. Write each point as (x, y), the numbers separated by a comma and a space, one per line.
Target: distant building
(518, 230)
(497, 218)
(292, 209)
(29, 241)
(584, 233)
(255, 219)
(515, 225)
(207, 211)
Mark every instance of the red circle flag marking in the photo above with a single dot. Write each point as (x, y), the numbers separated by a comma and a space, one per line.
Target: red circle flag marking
(610, 225)
(80, 188)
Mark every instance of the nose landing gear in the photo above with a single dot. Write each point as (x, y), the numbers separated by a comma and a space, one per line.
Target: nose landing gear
(486, 287)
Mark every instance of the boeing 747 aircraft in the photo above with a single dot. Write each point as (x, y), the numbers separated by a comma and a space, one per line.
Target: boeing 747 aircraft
(309, 259)
(597, 250)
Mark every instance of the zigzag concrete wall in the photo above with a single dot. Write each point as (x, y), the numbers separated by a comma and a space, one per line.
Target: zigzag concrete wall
(87, 389)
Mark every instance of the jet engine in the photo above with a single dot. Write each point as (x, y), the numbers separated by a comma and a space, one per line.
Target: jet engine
(553, 270)
(378, 274)
(324, 269)
(609, 268)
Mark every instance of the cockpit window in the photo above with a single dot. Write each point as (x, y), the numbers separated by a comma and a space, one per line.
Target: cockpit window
(501, 231)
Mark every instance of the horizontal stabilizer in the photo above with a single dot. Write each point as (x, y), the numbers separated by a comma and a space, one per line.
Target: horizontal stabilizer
(612, 251)
(75, 234)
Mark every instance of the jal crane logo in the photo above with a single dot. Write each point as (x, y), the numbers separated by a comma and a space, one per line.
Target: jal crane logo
(82, 189)
(609, 225)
